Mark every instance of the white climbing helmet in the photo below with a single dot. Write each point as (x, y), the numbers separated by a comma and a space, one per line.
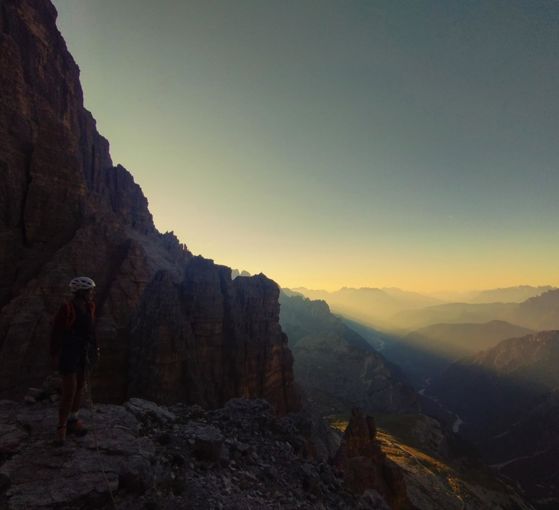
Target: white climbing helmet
(81, 283)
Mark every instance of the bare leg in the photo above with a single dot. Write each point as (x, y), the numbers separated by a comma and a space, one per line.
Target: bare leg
(74, 425)
(69, 384)
(80, 379)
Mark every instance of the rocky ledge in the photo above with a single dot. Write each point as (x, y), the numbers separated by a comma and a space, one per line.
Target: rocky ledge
(141, 455)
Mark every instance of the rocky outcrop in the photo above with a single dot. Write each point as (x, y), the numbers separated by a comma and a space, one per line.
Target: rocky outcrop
(190, 361)
(141, 455)
(410, 457)
(243, 455)
(170, 325)
(364, 465)
(439, 482)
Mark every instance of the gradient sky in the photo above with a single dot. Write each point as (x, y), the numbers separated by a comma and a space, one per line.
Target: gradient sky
(358, 143)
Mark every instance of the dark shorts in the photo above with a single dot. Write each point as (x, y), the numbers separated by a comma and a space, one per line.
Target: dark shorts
(73, 357)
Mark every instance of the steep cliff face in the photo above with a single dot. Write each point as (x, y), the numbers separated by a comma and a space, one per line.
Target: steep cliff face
(170, 324)
(190, 321)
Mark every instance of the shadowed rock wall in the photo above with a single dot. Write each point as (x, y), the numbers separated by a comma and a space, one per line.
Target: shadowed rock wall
(170, 325)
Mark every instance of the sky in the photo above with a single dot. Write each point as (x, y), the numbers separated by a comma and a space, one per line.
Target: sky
(337, 143)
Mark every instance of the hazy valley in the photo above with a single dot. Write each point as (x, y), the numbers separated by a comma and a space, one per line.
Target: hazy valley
(492, 382)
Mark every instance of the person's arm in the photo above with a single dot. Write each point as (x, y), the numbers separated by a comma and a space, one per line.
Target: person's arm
(57, 334)
(93, 335)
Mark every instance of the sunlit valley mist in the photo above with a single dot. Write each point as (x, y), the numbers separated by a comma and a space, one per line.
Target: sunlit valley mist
(486, 366)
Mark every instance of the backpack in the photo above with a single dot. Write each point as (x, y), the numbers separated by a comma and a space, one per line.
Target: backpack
(70, 310)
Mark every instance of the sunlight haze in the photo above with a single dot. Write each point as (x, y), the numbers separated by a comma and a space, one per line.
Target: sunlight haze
(330, 144)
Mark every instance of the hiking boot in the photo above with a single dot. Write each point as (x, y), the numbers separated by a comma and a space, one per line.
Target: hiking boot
(60, 435)
(77, 428)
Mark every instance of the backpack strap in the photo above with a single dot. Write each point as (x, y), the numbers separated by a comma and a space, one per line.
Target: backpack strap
(92, 310)
(70, 315)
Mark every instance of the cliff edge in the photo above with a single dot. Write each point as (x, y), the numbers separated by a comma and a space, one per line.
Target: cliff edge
(172, 326)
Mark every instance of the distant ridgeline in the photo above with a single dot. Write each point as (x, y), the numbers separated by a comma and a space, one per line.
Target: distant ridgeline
(539, 313)
(398, 310)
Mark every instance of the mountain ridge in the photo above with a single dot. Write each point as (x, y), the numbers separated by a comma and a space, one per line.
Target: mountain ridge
(538, 313)
(507, 397)
(67, 210)
(424, 352)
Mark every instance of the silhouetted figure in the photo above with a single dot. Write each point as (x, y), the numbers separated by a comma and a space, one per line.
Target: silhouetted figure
(73, 336)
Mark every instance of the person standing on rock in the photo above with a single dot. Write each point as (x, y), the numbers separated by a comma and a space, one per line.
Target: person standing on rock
(73, 336)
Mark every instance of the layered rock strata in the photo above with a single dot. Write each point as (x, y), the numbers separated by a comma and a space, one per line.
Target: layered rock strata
(170, 325)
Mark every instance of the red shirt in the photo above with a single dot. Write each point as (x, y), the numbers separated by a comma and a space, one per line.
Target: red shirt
(63, 322)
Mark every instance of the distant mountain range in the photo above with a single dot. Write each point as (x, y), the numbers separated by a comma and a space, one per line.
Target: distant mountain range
(459, 340)
(537, 313)
(396, 310)
(515, 294)
(337, 367)
(509, 294)
(370, 305)
(508, 399)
